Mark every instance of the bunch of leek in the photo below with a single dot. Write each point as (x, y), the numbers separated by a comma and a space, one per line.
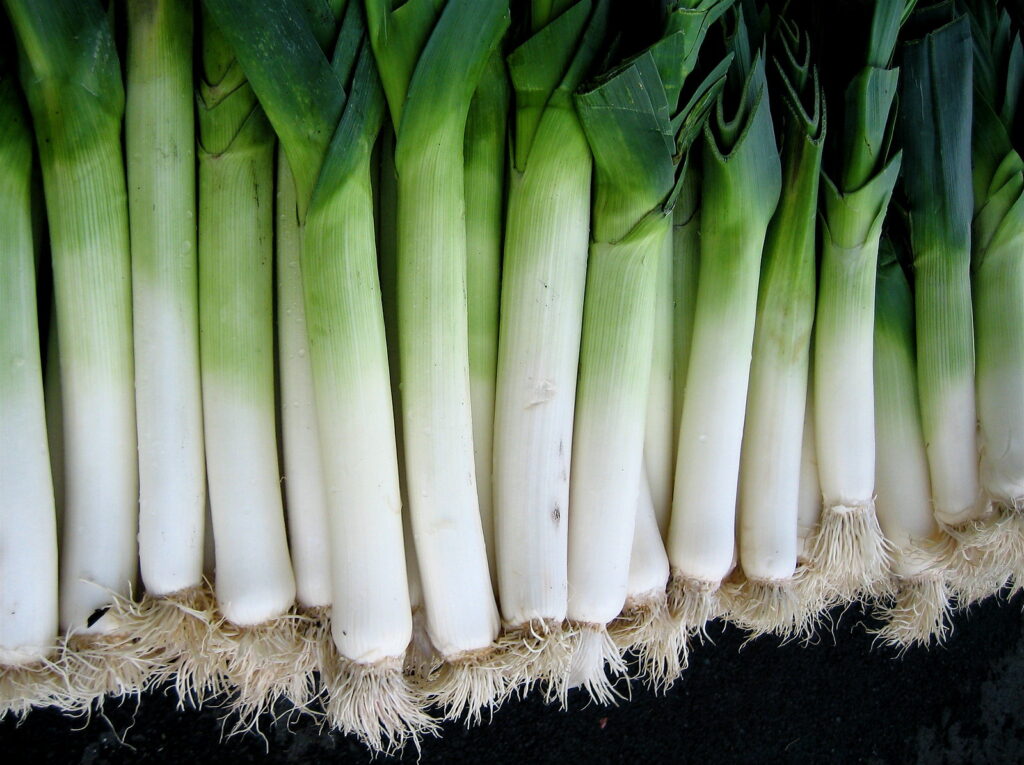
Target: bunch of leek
(639, 128)
(72, 79)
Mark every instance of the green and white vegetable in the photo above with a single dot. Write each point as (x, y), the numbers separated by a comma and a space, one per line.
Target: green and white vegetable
(430, 58)
(543, 280)
(159, 144)
(739, 192)
(72, 80)
(769, 484)
(254, 583)
(848, 550)
(997, 268)
(28, 534)
(639, 132)
(936, 111)
(920, 600)
(485, 156)
(305, 491)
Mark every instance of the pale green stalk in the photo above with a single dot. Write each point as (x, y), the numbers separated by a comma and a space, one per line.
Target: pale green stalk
(848, 551)
(739, 191)
(486, 128)
(935, 109)
(304, 486)
(675, 293)
(997, 262)
(919, 606)
(639, 131)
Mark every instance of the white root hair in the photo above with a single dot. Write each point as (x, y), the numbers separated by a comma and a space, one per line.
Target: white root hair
(374, 702)
(647, 629)
(787, 608)
(596, 665)
(850, 554)
(693, 604)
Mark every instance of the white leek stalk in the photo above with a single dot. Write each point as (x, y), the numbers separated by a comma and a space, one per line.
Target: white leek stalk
(769, 599)
(919, 606)
(848, 550)
(740, 189)
(72, 79)
(159, 138)
(304, 485)
(543, 280)
(430, 64)
(28, 535)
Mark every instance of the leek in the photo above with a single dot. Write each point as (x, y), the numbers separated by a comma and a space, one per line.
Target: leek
(769, 599)
(159, 136)
(339, 116)
(848, 551)
(255, 585)
(543, 280)
(175, 615)
(486, 127)
(431, 57)
(937, 116)
(675, 296)
(639, 131)
(304, 484)
(936, 111)
(28, 534)
(919, 608)
(420, 655)
(739, 191)
(997, 271)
